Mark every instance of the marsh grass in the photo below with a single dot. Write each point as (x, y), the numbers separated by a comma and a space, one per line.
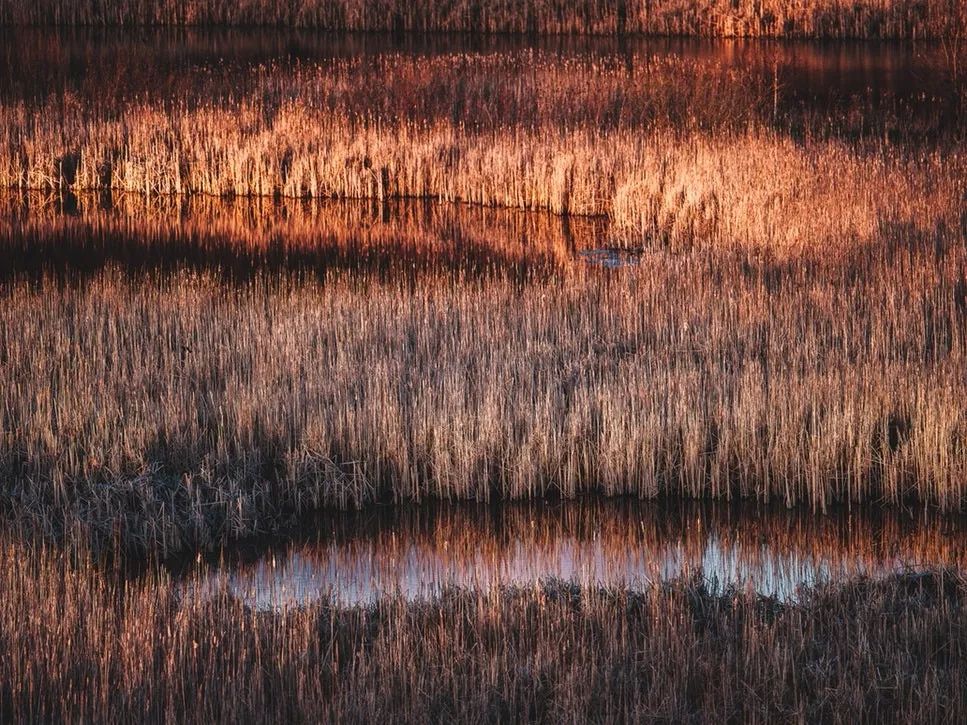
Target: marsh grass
(793, 329)
(79, 644)
(207, 353)
(173, 410)
(862, 88)
(756, 190)
(749, 18)
(669, 150)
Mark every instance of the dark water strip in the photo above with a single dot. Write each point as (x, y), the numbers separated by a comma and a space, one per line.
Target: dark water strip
(70, 236)
(417, 553)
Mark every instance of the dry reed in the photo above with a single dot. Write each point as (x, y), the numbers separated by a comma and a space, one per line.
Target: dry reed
(794, 330)
(750, 18)
(174, 411)
(78, 645)
(755, 189)
(669, 149)
(790, 326)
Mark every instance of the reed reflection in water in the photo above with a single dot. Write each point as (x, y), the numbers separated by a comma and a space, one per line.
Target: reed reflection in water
(418, 554)
(78, 235)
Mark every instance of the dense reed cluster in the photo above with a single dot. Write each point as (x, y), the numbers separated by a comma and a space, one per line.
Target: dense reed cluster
(670, 150)
(758, 192)
(717, 18)
(757, 189)
(79, 644)
(873, 82)
(791, 325)
(237, 297)
(381, 127)
(174, 410)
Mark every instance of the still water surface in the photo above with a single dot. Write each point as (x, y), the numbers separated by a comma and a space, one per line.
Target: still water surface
(81, 235)
(416, 553)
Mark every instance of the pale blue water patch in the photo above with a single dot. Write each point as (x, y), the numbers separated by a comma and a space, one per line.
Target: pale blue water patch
(620, 550)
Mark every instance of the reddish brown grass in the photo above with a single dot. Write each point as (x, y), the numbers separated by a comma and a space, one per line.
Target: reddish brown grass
(76, 644)
(750, 18)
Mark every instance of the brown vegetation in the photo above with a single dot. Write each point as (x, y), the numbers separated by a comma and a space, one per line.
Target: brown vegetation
(454, 74)
(794, 327)
(671, 150)
(717, 18)
(75, 644)
(195, 347)
(176, 410)
(279, 121)
(756, 191)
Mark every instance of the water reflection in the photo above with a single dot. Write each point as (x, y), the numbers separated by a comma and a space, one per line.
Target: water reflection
(415, 554)
(611, 258)
(79, 235)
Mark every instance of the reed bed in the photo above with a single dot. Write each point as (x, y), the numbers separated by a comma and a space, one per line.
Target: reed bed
(236, 298)
(874, 81)
(669, 149)
(77, 644)
(175, 411)
(793, 328)
(525, 85)
(742, 356)
(458, 95)
(748, 18)
(757, 189)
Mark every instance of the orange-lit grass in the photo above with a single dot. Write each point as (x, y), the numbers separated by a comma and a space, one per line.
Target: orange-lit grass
(755, 189)
(671, 150)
